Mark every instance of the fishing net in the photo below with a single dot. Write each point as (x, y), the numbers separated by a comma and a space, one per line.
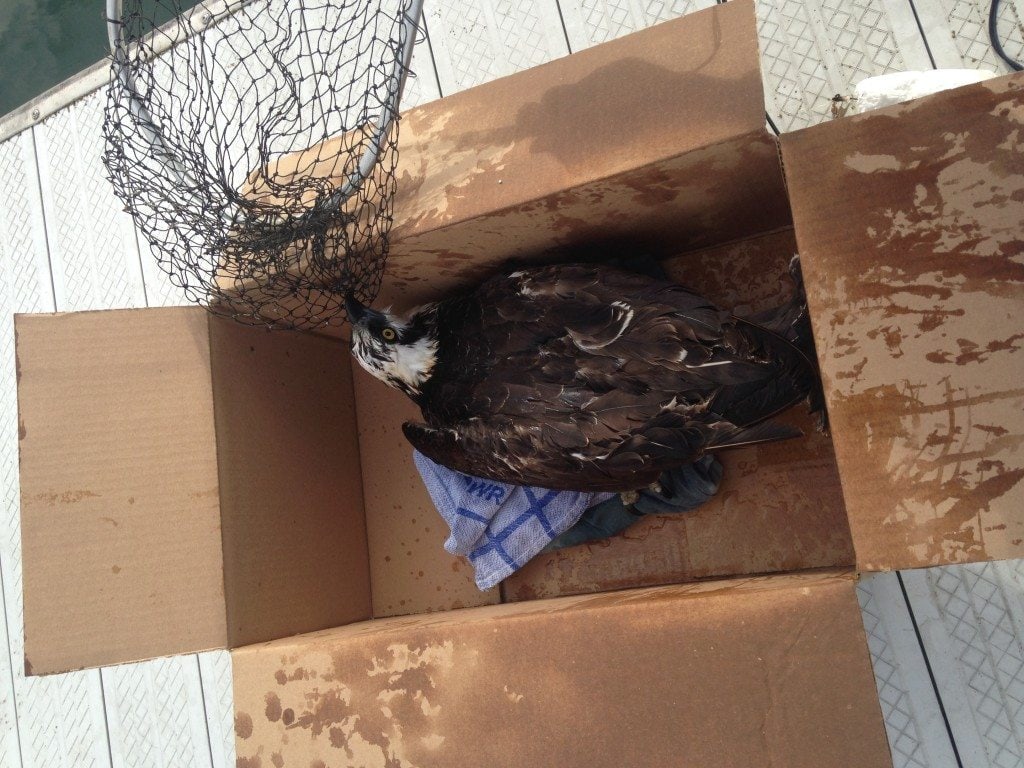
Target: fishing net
(255, 143)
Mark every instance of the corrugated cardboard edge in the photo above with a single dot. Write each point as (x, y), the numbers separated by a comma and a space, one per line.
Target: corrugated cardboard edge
(719, 673)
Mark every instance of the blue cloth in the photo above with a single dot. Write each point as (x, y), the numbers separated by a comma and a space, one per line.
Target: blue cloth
(499, 527)
(680, 490)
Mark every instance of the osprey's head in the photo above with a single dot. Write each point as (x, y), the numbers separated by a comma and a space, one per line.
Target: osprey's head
(401, 352)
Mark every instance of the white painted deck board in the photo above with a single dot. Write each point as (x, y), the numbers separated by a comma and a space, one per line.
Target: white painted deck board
(474, 42)
(65, 244)
(589, 22)
(92, 243)
(917, 733)
(155, 714)
(971, 620)
(60, 719)
(218, 705)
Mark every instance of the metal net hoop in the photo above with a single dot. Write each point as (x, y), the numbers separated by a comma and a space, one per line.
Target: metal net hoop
(254, 143)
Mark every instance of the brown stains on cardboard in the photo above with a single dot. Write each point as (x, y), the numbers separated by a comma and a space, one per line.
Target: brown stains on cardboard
(993, 429)
(446, 156)
(476, 166)
(248, 762)
(654, 188)
(277, 759)
(66, 497)
(288, 716)
(378, 710)
(273, 709)
(243, 725)
(893, 337)
(918, 260)
(298, 673)
(115, 569)
(562, 121)
(640, 204)
(325, 710)
(958, 210)
(971, 352)
(22, 432)
(200, 495)
(938, 489)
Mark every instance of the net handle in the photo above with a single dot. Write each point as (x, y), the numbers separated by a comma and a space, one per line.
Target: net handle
(136, 105)
(146, 123)
(399, 75)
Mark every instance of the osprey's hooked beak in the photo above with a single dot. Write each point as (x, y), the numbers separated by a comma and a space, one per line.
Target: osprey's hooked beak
(355, 310)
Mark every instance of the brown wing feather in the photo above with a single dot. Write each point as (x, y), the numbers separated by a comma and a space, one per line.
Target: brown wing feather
(596, 379)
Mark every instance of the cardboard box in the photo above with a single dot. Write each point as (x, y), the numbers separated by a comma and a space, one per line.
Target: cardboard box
(656, 140)
(189, 484)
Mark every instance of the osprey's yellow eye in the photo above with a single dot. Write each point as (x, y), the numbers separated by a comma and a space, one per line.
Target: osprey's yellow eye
(388, 334)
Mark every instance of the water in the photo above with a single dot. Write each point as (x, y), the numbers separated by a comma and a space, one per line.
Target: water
(43, 42)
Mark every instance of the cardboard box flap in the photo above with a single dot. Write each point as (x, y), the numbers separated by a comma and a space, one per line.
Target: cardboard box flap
(672, 88)
(908, 221)
(293, 524)
(176, 501)
(769, 671)
(120, 515)
(651, 142)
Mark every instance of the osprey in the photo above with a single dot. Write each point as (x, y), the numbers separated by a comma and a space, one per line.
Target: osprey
(584, 377)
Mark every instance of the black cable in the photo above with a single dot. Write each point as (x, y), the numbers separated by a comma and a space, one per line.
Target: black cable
(931, 673)
(993, 33)
(924, 37)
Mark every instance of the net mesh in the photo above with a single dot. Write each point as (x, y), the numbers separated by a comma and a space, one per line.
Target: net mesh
(236, 144)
